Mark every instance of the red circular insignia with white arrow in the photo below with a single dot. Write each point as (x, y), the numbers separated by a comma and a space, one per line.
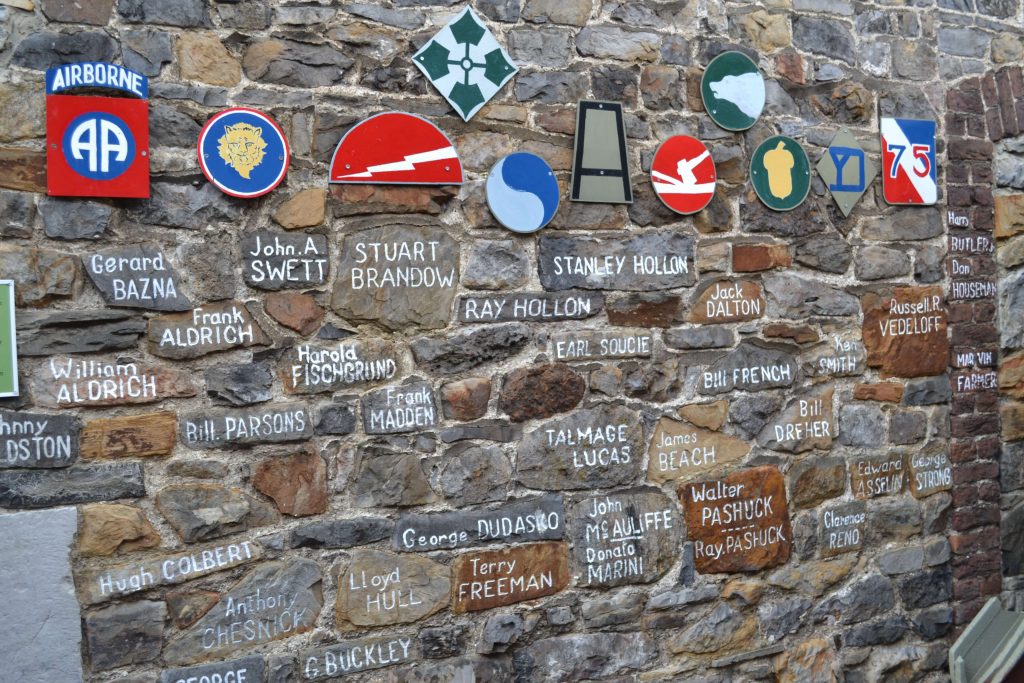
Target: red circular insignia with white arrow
(683, 174)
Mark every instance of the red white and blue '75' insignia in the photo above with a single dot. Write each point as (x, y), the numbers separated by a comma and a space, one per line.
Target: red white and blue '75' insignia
(908, 155)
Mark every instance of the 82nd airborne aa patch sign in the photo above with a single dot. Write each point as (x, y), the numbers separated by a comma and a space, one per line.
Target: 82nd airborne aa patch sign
(96, 146)
(465, 62)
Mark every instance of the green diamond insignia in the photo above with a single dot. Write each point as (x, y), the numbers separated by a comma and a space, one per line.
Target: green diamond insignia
(466, 97)
(467, 29)
(465, 62)
(434, 60)
(846, 170)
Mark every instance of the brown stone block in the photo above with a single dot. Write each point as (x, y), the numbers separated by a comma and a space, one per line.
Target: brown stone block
(296, 483)
(653, 309)
(790, 65)
(186, 607)
(905, 334)
(130, 436)
(493, 578)
(681, 452)
(23, 169)
(95, 12)
(466, 399)
(727, 301)
(379, 589)
(304, 209)
(541, 391)
(708, 415)
(801, 334)
(739, 522)
(362, 200)
(878, 475)
(107, 528)
(299, 312)
(106, 384)
(752, 258)
(1009, 215)
(885, 392)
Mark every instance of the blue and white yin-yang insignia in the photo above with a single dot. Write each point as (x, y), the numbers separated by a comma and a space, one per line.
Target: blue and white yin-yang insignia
(522, 192)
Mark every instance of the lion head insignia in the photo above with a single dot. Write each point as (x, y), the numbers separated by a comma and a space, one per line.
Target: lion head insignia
(242, 147)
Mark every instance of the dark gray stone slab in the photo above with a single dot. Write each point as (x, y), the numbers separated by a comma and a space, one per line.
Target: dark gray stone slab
(749, 368)
(85, 484)
(530, 307)
(353, 656)
(38, 440)
(399, 409)
(74, 219)
(239, 385)
(280, 260)
(319, 368)
(341, 533)
(648, 261)
(136, 277)
(624, 538)
(285, 597)
(42, 640)
(584, 656)
(245, 670)
(46, 333)
(224, 428)
(397, 277)
(125, 634)
(534, 519)
(467, 350)
(595, 448)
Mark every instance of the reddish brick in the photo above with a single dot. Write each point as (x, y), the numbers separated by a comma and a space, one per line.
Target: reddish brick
(965, 566)
(961, 426)
(992, 583)
(981, 172)
(956, 124)
(1016, 77)
(958, 174)
(975, 334)
(976, 127)
(978, 540)
(994, 120)
(969, 148)
(962, 404)
(965, 495)
(974, 471)
(966, 97)
(988, 491)
(983, 196)
(960, 313)
(985, 312)
(988, 90)
(964, 612)
(963, 451)
(987, 401)
(967, 589)
(1006, 103)
(984, 219)
(988, 448)
(975, 516)
(958, 195)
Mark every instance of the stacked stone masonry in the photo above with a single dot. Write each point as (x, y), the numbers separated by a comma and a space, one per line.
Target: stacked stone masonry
(793, 451)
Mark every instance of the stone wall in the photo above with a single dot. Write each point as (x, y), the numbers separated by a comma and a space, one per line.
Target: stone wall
(520, 472)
